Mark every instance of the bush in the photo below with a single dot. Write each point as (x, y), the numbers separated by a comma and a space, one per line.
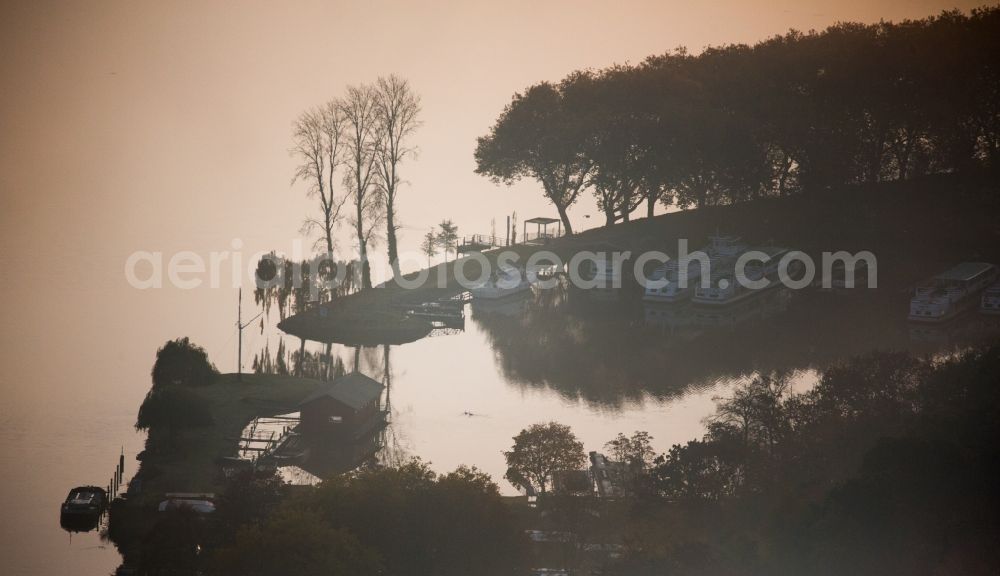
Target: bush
(172, 408)
(182, 362)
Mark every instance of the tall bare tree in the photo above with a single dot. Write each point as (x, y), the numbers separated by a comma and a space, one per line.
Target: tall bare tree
(362, 130)
(398, 109)
(317, 137)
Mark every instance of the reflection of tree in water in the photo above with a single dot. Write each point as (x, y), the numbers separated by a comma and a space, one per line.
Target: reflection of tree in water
(292, 286)
(325, 364)
(604, 353)
(392, 453)
(319, 365)
(581, 354)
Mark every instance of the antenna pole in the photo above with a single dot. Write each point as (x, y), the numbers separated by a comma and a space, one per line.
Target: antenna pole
(239, 324)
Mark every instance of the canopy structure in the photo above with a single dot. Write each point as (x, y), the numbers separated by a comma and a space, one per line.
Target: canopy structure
(542, 229)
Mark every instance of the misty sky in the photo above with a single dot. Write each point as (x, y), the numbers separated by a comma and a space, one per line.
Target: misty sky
(165, 125)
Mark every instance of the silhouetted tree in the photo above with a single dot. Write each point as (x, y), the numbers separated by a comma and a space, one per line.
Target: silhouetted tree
(397, 110)
(447, 236)
(855, 103)
(171, 409)
(540, 450)
(181, 362)
(538, 136)
(429, 246)
(317, 137)
(363, 132)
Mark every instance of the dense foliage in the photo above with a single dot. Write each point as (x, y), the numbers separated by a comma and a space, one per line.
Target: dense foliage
(541, 450)
(172, 409)
(803, 111)
(887, 466)
(181, 362)
(402, 520)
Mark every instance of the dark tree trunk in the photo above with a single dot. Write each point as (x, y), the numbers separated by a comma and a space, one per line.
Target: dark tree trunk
(366, 274)
(565, 219)
(329, 238)
(391, 239)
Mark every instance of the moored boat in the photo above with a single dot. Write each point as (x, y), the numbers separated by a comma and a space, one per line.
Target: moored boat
(952, 292)
(85, 501)
(724, 288)
(990, 302)
(505, 282)
(722, 249)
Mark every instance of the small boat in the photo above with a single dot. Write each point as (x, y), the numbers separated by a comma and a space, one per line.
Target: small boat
(82, 509)
(201, 503)
(506, 282)
(436, 310)
(85, 501)
(722, 250)
(725, 245)
(673, 291)
(990, 303)
(724, 288)
(197, 505)
(952, 292)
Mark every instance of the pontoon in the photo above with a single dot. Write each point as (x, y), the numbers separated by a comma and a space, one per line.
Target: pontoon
(952, 292)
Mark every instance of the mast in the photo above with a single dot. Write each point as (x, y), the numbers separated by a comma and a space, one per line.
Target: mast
(239, 324)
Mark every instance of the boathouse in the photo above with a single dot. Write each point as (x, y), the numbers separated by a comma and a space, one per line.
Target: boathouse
(347, 408)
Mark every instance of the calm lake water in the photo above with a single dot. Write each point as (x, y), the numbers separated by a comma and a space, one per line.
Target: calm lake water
(74, 376)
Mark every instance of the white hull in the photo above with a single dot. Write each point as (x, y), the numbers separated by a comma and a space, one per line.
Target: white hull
(739, 296)
(491, 292)
(681, 295)
(946, 296)
(990, 303)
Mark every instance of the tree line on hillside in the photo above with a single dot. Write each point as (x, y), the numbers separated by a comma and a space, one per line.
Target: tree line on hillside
(852, 104)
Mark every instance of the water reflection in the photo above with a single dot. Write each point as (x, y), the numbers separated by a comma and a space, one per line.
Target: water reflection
(305, 452)
(571, 354)
(612, 351)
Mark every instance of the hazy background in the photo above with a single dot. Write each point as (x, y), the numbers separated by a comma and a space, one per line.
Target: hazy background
(165, 126)
(142, 125)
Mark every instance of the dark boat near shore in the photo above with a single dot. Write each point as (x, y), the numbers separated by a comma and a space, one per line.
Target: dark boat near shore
(82, 508)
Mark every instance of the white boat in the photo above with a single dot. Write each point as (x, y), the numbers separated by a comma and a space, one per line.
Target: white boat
(990, 303)
(757, 269)
(723, 288)
(721, 250)
(673, 291)
(952, 292)
(725, 245)
(506, 282)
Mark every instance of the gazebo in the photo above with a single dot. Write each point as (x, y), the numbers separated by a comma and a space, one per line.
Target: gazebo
(542, 229)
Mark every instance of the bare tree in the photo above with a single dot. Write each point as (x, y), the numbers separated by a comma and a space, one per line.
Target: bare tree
(359, 109)
(398, 108)
(317, 136)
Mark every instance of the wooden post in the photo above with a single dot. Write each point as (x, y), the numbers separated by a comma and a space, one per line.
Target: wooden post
(507, 243)
(239, 324)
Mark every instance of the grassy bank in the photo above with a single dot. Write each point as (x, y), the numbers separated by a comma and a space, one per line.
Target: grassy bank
(914, 228)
